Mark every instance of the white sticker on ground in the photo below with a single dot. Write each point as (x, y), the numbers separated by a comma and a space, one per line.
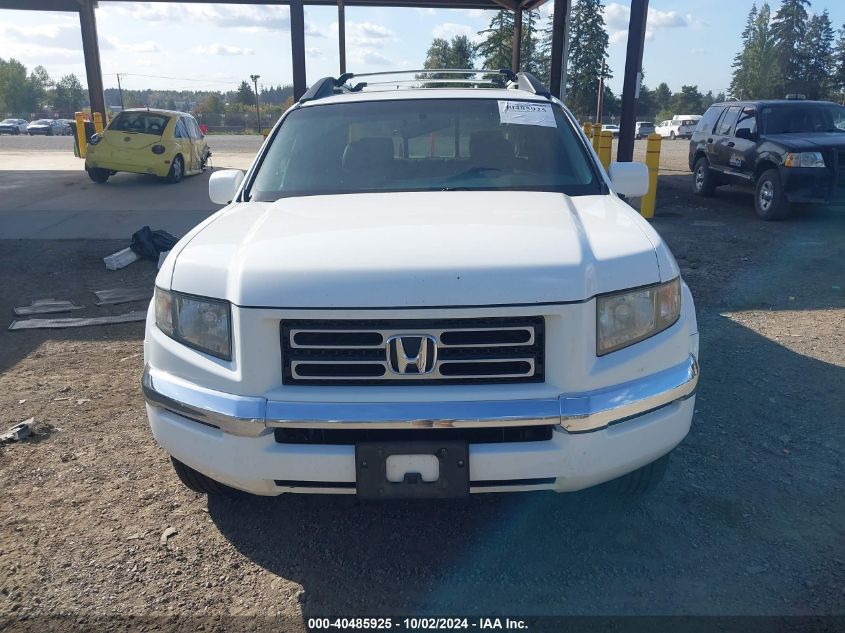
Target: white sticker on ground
(527, 113)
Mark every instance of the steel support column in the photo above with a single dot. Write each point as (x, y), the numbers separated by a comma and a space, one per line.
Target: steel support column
(633, 77)
(297, 45)
(517, 40)
(91, 51)
(560, 47)
(341, 35)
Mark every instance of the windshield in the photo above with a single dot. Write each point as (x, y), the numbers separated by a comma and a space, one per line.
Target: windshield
(41, 122)
(803, 119)
(140, 123)
(8, 121)
(424, 145)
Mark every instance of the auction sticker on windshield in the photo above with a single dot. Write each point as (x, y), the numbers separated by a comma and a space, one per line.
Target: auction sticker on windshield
(526, 113)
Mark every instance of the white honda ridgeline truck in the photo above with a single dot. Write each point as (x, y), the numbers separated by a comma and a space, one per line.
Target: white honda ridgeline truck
(420, 291)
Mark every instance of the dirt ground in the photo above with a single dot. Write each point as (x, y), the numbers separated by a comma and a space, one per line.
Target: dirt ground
(749, 521)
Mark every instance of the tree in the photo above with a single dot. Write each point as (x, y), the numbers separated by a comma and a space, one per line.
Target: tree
(15, 93)
(39, 84)
(587, 48)
(688, 101)
(754, 75)
(69, 96)
(817, 57)
(212, 104)
(497, 47)
(458, 53)
(839, 61)
(663, 97)
(788, 27)
(245, 94)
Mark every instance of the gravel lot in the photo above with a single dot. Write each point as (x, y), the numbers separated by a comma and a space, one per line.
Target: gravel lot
(748, 521)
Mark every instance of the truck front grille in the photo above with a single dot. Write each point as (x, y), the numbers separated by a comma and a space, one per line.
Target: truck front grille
(436, 351)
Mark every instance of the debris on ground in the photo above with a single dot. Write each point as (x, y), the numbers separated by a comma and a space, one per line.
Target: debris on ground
(18, 432)
(41, 324)
(47, 306)
(121, 259)
(150, 244)
(112, 296)
(167, 534)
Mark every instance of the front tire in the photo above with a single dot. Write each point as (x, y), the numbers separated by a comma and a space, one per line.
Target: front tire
(98, 175)
(196, 481)
(641, 480)
(177, 171)
(703, 179)
(770, 202)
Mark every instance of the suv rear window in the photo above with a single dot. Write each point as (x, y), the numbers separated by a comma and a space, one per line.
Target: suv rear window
(423, 145)
(140, 123)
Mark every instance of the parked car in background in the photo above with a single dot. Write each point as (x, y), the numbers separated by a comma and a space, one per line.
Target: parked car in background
(47, 127)
(163, 143)
(611, 128)
(643, 129)
(13, 126)
(789, 150)
(676, 128)
(299, 340)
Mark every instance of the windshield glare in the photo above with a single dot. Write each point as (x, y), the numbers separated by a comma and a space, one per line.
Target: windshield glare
(803, 119)
(423, 145)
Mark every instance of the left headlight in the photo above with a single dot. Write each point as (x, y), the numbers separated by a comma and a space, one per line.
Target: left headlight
(625, 318)
(198, 322)
(804, 159)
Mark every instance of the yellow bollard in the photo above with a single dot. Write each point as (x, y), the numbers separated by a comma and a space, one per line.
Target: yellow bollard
(98, 123)
(652, 161)
(588, 129)
(605, 148)
(596, 136)
(80, 134)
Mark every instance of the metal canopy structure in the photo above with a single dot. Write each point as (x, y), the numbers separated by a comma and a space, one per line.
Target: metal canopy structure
(561, 10)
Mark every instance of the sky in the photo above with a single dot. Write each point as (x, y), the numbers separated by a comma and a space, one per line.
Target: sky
(216, 46)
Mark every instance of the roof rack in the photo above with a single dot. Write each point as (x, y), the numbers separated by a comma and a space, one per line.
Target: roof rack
(431, 77)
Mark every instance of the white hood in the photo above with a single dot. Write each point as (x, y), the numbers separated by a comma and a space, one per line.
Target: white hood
(424, 249)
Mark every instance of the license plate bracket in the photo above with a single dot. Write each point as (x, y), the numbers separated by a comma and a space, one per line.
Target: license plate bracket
(371, 470)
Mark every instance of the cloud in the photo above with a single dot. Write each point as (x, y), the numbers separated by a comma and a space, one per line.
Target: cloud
(448, 30)
(61, 36)
(244, 17)
(369, 57)
(426, 11)
(222, 49)
(113, 43)
(314, 53)
(617, 16)
(366, 35)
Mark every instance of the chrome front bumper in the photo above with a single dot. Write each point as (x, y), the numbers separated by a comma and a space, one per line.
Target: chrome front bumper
(248, 416)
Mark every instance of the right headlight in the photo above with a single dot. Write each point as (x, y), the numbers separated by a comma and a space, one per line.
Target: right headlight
(198, 322)
(804, 159)
(631, 316)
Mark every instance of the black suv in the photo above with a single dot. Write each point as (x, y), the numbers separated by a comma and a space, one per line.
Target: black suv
(790, 150)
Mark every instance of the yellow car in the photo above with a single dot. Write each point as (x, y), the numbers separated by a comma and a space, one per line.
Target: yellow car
(162, 143)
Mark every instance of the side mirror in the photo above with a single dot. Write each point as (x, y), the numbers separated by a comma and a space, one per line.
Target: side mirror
(223, 185)
(745, 133)
(629, 179)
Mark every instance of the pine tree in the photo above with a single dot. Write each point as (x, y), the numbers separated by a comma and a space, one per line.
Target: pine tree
(495, 51)
(817, 57)
(245, 94)
(788, 28)
(587, 48)
(839, 62)
(755, 76)
(739, 80)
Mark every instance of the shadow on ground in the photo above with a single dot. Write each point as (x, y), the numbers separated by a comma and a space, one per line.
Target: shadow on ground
(746, 520)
